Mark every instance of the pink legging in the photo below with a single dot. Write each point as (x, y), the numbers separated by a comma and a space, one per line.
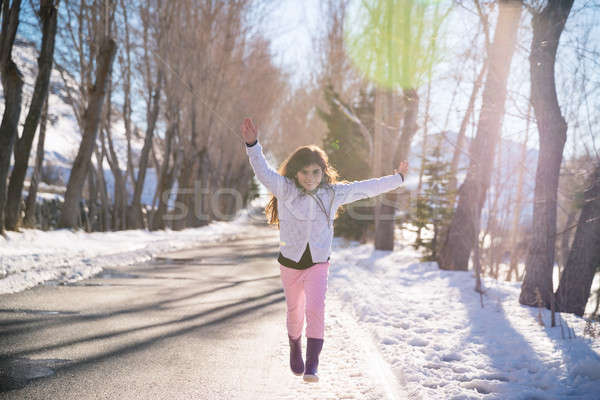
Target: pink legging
(305, 292)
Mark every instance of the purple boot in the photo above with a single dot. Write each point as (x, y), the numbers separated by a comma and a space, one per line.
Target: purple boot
(296, 362)
(313, 349)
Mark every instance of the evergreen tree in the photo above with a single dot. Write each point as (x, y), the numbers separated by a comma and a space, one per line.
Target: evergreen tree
(343, 143)
(433, 209)
(348, 154)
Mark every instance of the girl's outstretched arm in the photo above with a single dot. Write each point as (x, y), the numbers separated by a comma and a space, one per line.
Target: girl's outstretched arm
(358, 190)
(279, 185)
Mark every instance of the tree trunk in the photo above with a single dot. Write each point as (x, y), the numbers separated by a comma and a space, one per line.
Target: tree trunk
(464, 227)
(376, 165)
(120, 190)
(30, 203)
(518, 206)
(565, 240)
(136, 220)
(584, 258)
(101, 186)
(165, 180)
(161, 213)
(460, 140)
(118, 220)
(185, 194)
(384, 209)
(10, 23)
(425, 145)
(12, 82)
(410, 98)
(48, 14)
(92, 203)
(205, 206)
(119, 217)
(552, 129)
(494, 224)
(91, 121)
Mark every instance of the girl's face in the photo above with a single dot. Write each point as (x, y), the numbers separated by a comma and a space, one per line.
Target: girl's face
(310, 176)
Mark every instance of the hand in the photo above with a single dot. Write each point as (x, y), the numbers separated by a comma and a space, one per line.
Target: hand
(249, 132)
(402, 168)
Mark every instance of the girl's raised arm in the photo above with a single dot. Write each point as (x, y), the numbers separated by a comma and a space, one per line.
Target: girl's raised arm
(279, 185)
(358, 190)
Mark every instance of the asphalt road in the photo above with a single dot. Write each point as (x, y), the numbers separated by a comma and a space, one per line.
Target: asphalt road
(194, 324)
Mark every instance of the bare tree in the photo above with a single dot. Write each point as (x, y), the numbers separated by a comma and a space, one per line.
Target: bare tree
(460, 141)
(154, 30)
(48, 15)
(119, 208)
(29, 220)
(462, 131)
(175, 92)
(12, 82)
(464, 228)
(336, 68)
(169, 168)
(547, 25)
(584, 258)
(514, 245)
(104, 223)
(90, 118)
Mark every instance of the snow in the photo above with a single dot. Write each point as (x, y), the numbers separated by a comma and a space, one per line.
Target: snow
(33, 256)
(431, 325)
(395, 327)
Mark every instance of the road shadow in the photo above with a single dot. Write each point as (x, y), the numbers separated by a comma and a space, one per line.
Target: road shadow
(16, 370)
(11, 326)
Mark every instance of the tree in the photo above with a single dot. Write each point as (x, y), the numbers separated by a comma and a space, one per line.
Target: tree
(335, 67)
(464, 228)
(433, 207)
(584, 257)
(394, 48)
(119, 220)
(12, 82)
(155, 23)
(514, 244)
(90, 120)
(348, 152)
(48, 15)
(345, 146)
(30, 202)
(548, 25)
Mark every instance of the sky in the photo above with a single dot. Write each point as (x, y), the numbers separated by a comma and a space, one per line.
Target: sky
(294, 25)
(291, 28)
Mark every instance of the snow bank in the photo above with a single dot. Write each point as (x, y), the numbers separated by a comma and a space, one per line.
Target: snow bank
(32, 256)
(432, 328)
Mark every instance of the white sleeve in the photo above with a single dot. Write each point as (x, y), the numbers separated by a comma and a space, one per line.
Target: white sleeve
(278, 185)
(353, 191)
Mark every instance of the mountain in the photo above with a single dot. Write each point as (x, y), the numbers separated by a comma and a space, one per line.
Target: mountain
(508, 171)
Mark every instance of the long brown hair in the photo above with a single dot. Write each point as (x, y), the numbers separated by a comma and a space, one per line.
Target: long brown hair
(300, 158)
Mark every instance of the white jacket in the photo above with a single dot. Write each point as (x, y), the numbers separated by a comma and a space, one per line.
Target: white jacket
(301, 219)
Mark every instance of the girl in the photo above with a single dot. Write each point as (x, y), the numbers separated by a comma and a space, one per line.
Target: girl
(306, 196)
